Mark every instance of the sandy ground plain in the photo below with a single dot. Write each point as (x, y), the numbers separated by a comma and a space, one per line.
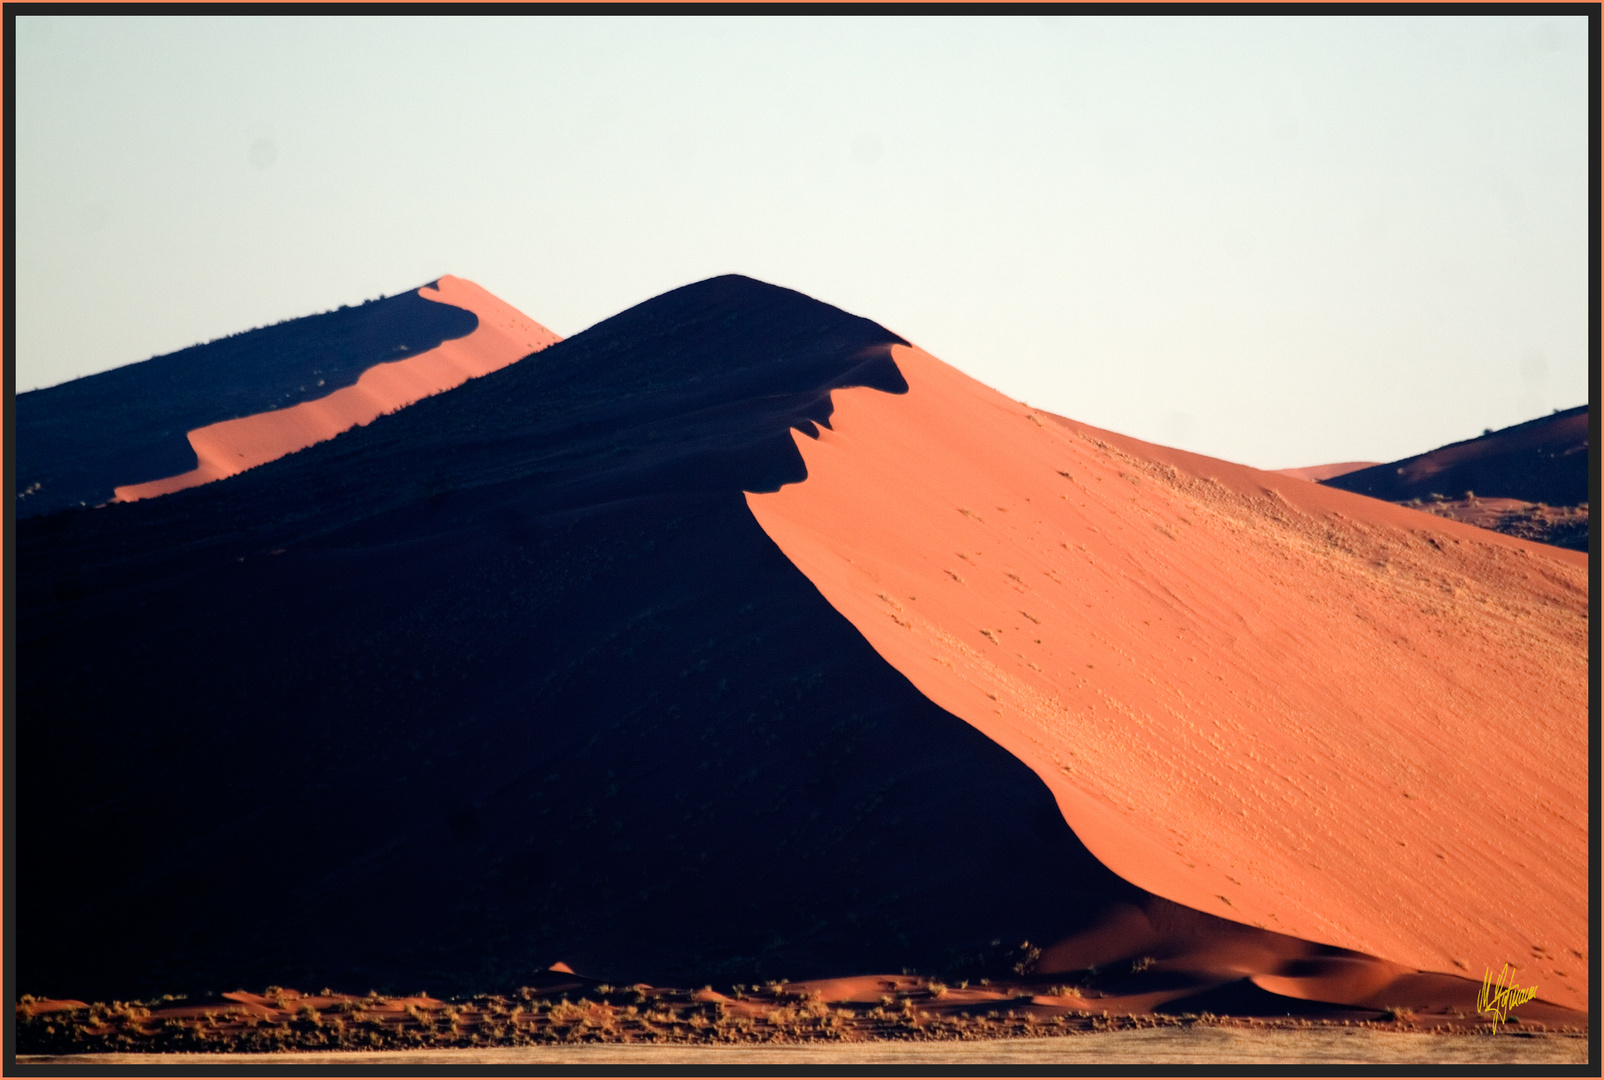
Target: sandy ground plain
(1201, 1045)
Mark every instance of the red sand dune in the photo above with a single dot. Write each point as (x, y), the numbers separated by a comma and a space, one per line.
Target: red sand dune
(1316, 473)
(503, 335)
(1273, 702)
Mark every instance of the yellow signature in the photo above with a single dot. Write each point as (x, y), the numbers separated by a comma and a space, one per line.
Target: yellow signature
(1501, 995)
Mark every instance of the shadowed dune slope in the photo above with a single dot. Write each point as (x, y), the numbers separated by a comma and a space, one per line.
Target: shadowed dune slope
(1543, 460)
(1274, 702)
(78, 441)
(506, 677)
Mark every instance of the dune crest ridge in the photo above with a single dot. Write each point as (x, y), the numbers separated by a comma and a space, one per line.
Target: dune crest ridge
(1274, 702)
(1316, 473)
(504, 335)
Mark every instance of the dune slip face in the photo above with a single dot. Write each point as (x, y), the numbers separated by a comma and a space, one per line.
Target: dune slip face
(1277, 703)
(503, 336)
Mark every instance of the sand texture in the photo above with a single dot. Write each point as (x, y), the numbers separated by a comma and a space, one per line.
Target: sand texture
(1281, 704)
(503, 336)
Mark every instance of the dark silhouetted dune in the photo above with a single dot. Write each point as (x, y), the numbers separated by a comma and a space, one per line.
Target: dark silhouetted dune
(1543, 460)
(507, 677)
(703, 646)
(1529, 481)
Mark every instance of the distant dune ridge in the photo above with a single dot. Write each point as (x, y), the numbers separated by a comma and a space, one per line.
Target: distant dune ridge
(737, 638)
(1543, 460)
(1529, 480)
(80, 440)
(232, 446)
(216, 409)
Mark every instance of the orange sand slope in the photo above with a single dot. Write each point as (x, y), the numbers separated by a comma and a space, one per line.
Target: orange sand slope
(504, 335)
(1278, 703)
(1317, 473)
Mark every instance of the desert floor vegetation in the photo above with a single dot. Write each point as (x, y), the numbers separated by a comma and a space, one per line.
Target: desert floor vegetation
(907, 1008)
(1562, 526)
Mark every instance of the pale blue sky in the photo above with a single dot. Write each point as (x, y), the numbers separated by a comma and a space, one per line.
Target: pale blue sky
(1281, 241)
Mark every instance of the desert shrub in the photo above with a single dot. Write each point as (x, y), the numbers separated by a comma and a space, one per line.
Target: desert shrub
(1028, 955)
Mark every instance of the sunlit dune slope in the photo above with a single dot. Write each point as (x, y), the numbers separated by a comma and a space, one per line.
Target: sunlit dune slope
(1278, 703)
(503, 335)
